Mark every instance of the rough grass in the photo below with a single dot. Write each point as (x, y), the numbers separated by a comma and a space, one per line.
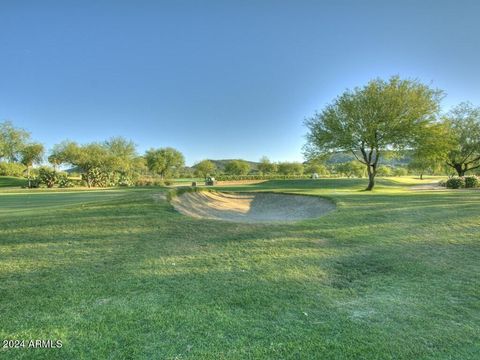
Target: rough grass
(391, 274)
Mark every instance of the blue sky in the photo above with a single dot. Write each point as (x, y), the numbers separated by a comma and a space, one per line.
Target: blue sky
(219, 79)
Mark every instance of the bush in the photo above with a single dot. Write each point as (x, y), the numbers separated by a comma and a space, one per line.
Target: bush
(47, 176)
(95, 177)
(455, 183)
(149, 181)
(32, 183)
(11, 169)
(64, 181)
(471, 181)
(168, 182)
(442, 183)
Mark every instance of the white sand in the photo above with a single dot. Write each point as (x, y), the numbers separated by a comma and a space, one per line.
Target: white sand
(251, 207)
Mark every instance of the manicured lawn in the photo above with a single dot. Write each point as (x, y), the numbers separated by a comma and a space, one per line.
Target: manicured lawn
(7, 181)
(118, 274)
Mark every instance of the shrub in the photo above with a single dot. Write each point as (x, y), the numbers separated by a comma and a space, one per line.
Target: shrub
(95, 177)
(64, 181)
(442, 183)
(455, 183)
(11, 169)
(471, 181)
(149, 181)
(168, 182)
(47, 176)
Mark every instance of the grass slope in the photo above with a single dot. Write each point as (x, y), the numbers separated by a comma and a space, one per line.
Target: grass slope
(391, 274)
(9, 181)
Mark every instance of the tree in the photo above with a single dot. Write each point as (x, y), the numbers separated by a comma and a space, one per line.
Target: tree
(316, 167)
(205, 168)
(350, 169)
(122, 163)
(463, 123)
(237, 167)
(290, 168)
(12, 141)
(164, 161)
(432, 148)
(102, 164)
(31, 154)
(381, 116)
(266, 166)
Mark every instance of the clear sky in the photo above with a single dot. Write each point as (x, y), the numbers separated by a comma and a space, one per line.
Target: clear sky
(219, 79)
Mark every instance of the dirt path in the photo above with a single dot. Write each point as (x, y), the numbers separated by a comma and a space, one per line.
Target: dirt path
(431, 186)
(251, 207)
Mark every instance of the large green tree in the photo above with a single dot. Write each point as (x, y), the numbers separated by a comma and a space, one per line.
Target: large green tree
(367, 121)
(432, 147)
(31, 154)
(350, 169)
(290, 168)
(237, 167)
(164, 161)
(205, 168)
(101, 164)
(463, 123)
(265, 166)
(12, 141)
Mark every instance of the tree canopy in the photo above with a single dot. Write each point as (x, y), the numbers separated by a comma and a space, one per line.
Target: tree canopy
(205, 168)
(265, 166)
(290, 168)
(237, 167)
(367, 121)
(100, 163)
(164, 161)
(463, 123)
(12, 141)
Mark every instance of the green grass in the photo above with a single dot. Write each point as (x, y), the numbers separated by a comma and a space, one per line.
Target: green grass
(11, 181)
(117, 274)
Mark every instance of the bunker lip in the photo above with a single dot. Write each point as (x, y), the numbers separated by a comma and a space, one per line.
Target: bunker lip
(251, 207)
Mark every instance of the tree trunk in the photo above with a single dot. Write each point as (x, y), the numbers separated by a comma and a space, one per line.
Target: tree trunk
(421, 176)
(372, 171)
(28, 176)
(460, 170)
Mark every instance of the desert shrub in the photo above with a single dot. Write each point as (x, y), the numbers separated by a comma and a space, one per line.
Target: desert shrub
(11, 169)
(64, 181)
(47, 176)
(149, 181)
(124, 180)
(455, 183)
(471, 181)
(95, 177)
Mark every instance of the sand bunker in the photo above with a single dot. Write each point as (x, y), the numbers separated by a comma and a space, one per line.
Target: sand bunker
(251, 207)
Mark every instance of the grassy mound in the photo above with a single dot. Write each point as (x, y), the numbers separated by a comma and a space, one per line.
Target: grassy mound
(10, 181)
